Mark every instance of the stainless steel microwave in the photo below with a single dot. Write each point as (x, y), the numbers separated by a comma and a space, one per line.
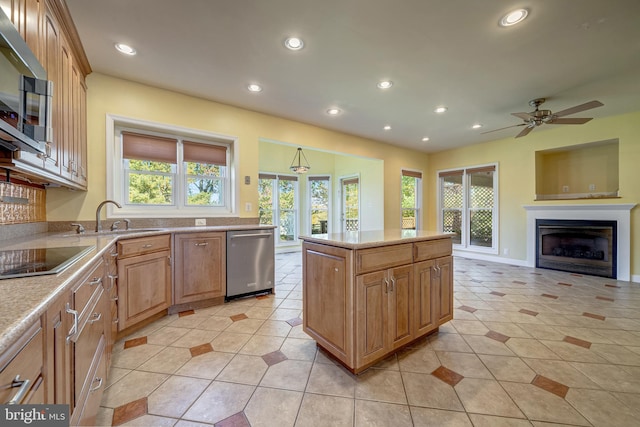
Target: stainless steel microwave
(25, 94)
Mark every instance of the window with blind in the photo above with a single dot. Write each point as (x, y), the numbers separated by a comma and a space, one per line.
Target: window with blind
(468, 206)
(411, 200)
(162, 174)
(278, 205)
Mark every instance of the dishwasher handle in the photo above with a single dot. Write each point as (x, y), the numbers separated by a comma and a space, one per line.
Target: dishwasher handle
(262, 235)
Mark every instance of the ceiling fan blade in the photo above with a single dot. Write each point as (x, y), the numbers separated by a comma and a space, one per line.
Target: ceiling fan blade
(523, 116)
(578, 108)
(525, 131)
(570, 121)
(495, 130)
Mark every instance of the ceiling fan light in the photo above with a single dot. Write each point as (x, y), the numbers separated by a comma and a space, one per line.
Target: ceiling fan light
(514, 17)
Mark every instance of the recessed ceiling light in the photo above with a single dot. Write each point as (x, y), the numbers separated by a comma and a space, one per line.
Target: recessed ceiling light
(440, 109)
(387, 127)
(293, 43)
(254, 87)
(514, 17)
(333, 111)
(425, 139)
(125, 48)
(385, 84)
(476, 126)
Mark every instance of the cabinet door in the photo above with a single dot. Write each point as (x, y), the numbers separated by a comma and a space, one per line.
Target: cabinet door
(144, 287)
(51, 62)
(371, 317)
(426, 294)
(400, 299)
(445, 272)
(58, 354)
(200, 266)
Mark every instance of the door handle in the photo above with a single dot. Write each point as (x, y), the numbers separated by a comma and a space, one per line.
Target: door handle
(393, 283)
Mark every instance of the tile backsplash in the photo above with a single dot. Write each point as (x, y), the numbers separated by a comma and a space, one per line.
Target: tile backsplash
(13, 211)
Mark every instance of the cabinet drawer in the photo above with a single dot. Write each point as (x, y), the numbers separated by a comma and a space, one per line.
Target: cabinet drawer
(375, 259)
(89, 400)
(86, 344)
(85, 289)
(431, 249)
(23, 359)
(131, 247)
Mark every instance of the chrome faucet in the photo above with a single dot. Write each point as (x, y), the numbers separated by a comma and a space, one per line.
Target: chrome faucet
(98, 224)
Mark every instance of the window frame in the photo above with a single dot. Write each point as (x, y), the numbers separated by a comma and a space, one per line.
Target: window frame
(465, 244)
(309, 202)
(275, 205)
(115, 173)
(417, 210)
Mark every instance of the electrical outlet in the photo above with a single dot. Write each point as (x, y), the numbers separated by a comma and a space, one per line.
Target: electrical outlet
(248, 207)
(565, 188)
(592, 187)
(201, 221)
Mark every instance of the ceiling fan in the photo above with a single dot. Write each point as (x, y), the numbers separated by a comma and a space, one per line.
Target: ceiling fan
(539, 117)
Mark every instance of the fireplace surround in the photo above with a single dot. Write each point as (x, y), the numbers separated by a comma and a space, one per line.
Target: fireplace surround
(620, 213)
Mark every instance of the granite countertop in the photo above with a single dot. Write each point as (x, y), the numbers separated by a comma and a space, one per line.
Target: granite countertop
(375, 238)
(24, 300)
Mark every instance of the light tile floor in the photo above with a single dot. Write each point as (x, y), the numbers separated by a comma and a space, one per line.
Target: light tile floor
(526, 347)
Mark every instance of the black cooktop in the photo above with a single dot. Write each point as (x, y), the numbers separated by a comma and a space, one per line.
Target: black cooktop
(35, 262)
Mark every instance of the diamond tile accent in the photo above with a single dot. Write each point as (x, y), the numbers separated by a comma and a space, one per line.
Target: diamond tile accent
(448, 376)
(274, 357)
(550, 296)
(295, 321)
(612, 286)
(500, 294)
(605, 298)
(467, 308)
(237, 317)
(519, 282)
(577, 341)
(235, 420)
(129, 411)
(497, 336)
(186, 313)
(550, 385)
(564, 284)
(529, 312)
(135, 342)
(201, 349)
(593, 316)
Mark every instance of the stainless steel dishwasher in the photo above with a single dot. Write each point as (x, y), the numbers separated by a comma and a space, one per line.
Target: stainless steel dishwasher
(250, 262)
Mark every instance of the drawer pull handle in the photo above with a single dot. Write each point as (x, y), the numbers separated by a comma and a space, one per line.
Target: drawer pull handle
(74, 328)
(95, 281)
(115, 298)
(202, 244)
(24, 388)
(114, 254)
(95, 317)
(112, 281)
(99, 381)
(147, 246)
(386, 285)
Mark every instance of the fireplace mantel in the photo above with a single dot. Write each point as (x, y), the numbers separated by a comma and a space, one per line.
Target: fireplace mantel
(621, 213)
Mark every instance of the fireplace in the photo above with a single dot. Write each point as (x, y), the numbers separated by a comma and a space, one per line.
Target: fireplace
(577, 246)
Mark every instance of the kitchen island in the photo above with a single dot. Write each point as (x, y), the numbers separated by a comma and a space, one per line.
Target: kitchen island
(367, 294)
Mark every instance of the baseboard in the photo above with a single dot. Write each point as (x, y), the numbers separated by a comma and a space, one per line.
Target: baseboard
(491, 258)
(635, 278)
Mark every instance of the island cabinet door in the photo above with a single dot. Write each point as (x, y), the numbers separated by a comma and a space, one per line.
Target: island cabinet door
(445, 274)
(371, 317)
(400, 305)
(426, 296)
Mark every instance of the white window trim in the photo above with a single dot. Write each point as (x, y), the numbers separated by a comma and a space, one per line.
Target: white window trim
(418, 209)
(329, 204)
(276, 208)
(465, 247)
(115, 178)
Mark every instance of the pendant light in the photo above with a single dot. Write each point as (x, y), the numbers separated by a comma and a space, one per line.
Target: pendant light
(297, 165)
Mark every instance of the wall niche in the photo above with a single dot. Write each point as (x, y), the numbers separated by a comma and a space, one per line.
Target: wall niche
(584, 171)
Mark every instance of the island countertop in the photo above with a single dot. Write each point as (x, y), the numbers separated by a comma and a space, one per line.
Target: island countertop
(374, 238)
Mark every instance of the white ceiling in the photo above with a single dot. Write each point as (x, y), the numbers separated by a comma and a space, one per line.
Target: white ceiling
(437, 52)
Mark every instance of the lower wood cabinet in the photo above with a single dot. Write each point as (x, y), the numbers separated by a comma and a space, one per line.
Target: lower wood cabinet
(361, 314)
(144, 278)
(199, 266)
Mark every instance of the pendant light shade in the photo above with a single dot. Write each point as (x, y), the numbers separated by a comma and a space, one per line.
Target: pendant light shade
(298, 165)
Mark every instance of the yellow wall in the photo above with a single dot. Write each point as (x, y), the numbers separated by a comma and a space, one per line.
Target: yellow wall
(516, 159)
(109, 95)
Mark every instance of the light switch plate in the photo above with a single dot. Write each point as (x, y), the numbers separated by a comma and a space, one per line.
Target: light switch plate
(201, 221)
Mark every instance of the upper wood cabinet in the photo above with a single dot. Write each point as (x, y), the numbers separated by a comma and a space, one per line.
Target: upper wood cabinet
(48, 29)
(200, 266)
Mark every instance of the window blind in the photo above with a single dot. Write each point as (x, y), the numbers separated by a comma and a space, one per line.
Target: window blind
(414, 174)
(204, 153)
(138, 146)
